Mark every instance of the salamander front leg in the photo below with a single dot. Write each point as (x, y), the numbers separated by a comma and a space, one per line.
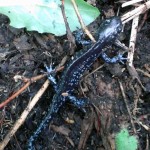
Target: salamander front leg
(51, 76)
(80, 103)
(118, 58)
(79, 37)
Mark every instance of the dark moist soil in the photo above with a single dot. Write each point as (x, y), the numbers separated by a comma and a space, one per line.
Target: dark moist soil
(24, 53)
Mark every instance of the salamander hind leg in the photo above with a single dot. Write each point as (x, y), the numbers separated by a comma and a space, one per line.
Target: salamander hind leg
(80, 103)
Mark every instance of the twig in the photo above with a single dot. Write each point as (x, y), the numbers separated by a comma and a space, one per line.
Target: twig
(147, 67)
(128, 3)
(29, 81)
(143, 21)
(24, 115)
(81, 22)
(147, 143)
(5, 102)
(133, 40)
(132, 71)
(143, 125)
(137, 11)
(68, 31)
(145, 73)
(126, 103)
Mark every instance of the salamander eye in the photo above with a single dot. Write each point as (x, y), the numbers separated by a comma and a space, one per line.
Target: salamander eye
(108, 20)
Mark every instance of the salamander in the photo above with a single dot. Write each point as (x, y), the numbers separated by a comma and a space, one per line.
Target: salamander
(82, 61)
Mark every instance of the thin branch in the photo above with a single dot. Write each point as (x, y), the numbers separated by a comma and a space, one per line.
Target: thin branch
(137, 11)
(126, 103)
(133, 40)
(128, 3)
(68, 30)
(144, 73)
(5, 102)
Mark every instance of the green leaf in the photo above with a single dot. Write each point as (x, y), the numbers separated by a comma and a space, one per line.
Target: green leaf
(45, 15)
(125, 142)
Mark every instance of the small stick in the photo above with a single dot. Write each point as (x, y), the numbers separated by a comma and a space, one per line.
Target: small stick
(126, 103)
(147, 67)
(133, 40)
(5, 102)
(130, 3)
(144, 126)
(68, 31)
(137, 11)
(143, 21)
(147, 143)
(144, 73)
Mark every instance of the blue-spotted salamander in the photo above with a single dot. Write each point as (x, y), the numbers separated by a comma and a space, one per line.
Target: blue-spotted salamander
(109, 31)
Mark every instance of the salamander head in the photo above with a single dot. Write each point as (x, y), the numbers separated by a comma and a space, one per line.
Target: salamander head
(110, 29)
